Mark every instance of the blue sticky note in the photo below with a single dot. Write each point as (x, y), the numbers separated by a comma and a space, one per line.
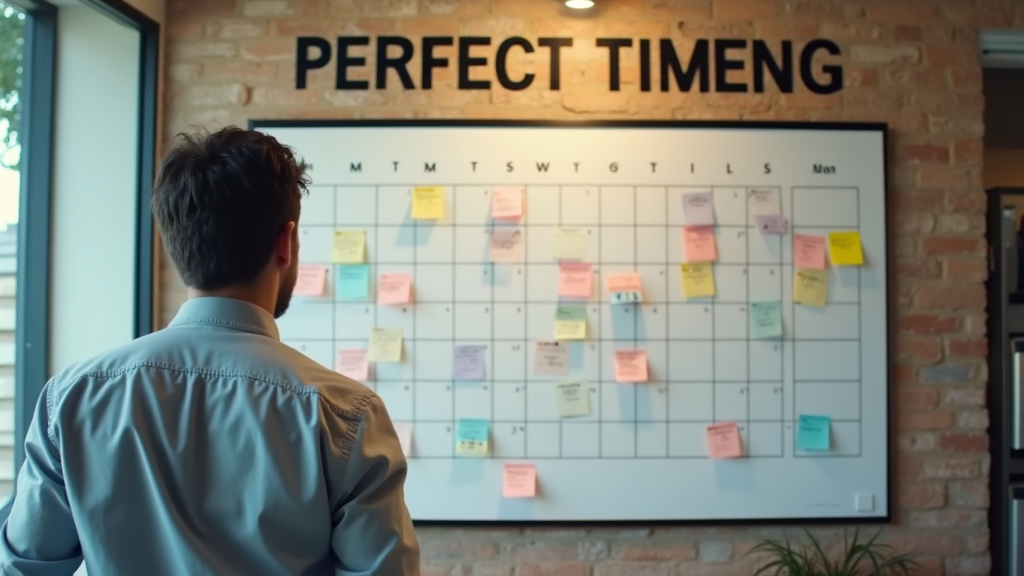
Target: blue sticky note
(766, 319)
(468, 362)
(472, 437)
(813, 432)
(353, 282)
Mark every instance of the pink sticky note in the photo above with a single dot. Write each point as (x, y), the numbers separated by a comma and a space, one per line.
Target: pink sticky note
(520, 481)
(623, 282)
(393, 288)
(699, 244)
(630, 366)
(506, 202)
(574, 280)
(353, 363)
(809, 251)
(724, 440)
(310, 280)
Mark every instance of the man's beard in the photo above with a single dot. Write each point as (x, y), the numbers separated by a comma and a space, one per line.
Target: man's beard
(284, 293)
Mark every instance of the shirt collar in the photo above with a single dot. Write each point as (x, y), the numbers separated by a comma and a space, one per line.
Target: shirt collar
(229, 312)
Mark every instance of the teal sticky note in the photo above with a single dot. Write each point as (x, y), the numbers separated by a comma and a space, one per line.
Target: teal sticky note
(813, 432)
(353, 282)
(766, 319)
(571, 314)
(472, 437)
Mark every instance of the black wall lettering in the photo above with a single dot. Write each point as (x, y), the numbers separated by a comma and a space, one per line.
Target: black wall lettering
(429, 62)
(398, 63)
(396, 166)
(555, 45)
(613, 167)
(474, 166)
(645, 65)
(781, 73)
(466, 62)
(728, 168)
(341, 82)
(834, 72)
(654, 166)
(501, 64)
(355, 167)
(303, 62)
(670, 65)
(576, 165)
(691, 167)
(767, 168)
(723, 64)
(543, 166)
(430, 166)
(613, 45)
(508, 167)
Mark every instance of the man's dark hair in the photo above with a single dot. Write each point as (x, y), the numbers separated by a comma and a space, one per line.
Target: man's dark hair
(220, 201)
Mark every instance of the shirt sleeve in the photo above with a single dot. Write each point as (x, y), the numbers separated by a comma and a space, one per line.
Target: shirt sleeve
(39, 537)
(372, 530)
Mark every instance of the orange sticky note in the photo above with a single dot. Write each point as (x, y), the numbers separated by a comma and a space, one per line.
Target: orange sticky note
(574, 280)
(506, 202)
(310, 280)
(520, 481)
(724, 440)
(809, 251)
(353, 363)
(623, 282)
(630, 366)
(393, 288)
(699, 244)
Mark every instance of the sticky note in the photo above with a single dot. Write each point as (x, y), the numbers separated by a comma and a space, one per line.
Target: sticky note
(810, 287)
(698, 209)
(724, 440)
(764, 201)
(766, 319)
(844, 248)
(506, 202)
(809, 252)
(468, 361)
(813, 432)
(310, 280)
(386, 345)
(394, 288)
(626, 298)
(569, 244)
(428, 203)
(769, 224)
(574, 280)
(353, 363)
(404, 432)
(506, 245)
(630, 366)
(353, 282)
(572, 399)
(349, 247)
(699, 244)
(472, 437)
(571, 323)
(551, 359)
(698, 280)
(520, 481)
(623, 282)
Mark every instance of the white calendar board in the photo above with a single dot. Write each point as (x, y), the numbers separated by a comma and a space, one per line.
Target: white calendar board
(642, 452)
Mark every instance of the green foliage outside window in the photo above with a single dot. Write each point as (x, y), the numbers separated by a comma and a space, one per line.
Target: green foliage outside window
(12, 47)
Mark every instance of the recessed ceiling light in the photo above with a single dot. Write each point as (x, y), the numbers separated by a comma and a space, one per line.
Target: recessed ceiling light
(579, 4)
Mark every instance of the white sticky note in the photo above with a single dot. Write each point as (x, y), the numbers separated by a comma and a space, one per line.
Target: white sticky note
(764, 202)
(551, 359)
(698, 209)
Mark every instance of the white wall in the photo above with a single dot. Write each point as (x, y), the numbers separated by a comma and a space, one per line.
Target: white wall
(94, 176)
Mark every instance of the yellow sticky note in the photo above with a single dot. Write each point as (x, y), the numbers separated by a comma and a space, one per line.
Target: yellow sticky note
(810, 287)
(428, 202)
(386, 345)
(349, 247)
(844, 248)
(698, 280)
(571, 323)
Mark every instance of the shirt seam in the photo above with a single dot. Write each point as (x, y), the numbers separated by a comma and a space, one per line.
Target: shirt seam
(353, 420)
(191, 320)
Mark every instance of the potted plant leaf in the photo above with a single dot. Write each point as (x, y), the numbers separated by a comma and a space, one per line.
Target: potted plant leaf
(856, 558)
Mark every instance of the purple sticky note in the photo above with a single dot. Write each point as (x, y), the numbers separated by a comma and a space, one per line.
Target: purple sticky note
(770, 223)
(468, 362)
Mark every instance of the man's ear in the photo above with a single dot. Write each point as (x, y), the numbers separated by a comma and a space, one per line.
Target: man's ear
(283, 248)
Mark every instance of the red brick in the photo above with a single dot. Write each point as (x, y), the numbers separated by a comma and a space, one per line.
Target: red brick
(545, 551)
(919, 268)
(951, 468)
(935, 420)
(968, 151)
(268, 49)
(977, 543)
(944, 177)
(919, 199)
(292, 28)
(190, 9)
(553, 569)
(951, 296)
(927, 323)
(969, 566)
(953, 245)
(655, 551)
(282, 96)
(922, 496)
(948, 55)
(885, 54)
(233, 70)
(914, 223)
(915, 77)
(922, 153)
(927, 566)
(903, 32)
(965, 78)
(918, 398)
(919, 349)
(917, 442)
(457, 550)
(966, 201)
(905, 373)
(958, 125)
(965, 442)
(925, 544)
(634, 569)
(970, 224)
(746, 10)
(947, 519)
(903, 11)
(435, 570)
(968, 347)
(965, 396)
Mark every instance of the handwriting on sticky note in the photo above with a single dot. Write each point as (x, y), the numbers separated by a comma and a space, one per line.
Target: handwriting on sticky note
(844, 248)
(623, 282)
(353, 282)
(353, 363)
(468, 361)
(764, 201)
(572, 399)
(310, 280)
(571, 323)
(813, 432)
(428, 202)
(386, 345)
(506, 245)
(349, 247)
(810, 287)
(472, 437)
(506, 202)
(766, 319)
(699, 244)
(809, 252)
(520, 481)
(394, 288)
(630, 366)
(404, 432)
(724, 440)
(551, 359)
(569, 244)
(771, 224)
(575, 279)
(698, 280)
(698, 209)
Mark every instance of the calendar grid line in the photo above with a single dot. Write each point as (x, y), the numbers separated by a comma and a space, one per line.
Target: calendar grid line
(792, 312)
(636, 329)
(600, 373)
(561, 425)
(668, 390)
(746, 275)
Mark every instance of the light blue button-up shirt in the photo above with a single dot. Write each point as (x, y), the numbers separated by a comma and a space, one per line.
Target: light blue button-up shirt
(209, 448)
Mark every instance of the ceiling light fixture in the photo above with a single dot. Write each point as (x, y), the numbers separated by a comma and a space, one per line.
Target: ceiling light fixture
(579, 4)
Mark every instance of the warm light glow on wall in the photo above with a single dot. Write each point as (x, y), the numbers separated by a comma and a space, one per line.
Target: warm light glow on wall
(579, 4)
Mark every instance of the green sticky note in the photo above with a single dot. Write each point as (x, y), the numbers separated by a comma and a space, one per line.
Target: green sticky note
(472, 437)
(766, 319)
(571, 314)
(353, 282)
(813, 432)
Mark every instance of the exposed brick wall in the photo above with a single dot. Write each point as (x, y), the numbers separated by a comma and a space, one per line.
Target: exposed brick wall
(912, 63)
